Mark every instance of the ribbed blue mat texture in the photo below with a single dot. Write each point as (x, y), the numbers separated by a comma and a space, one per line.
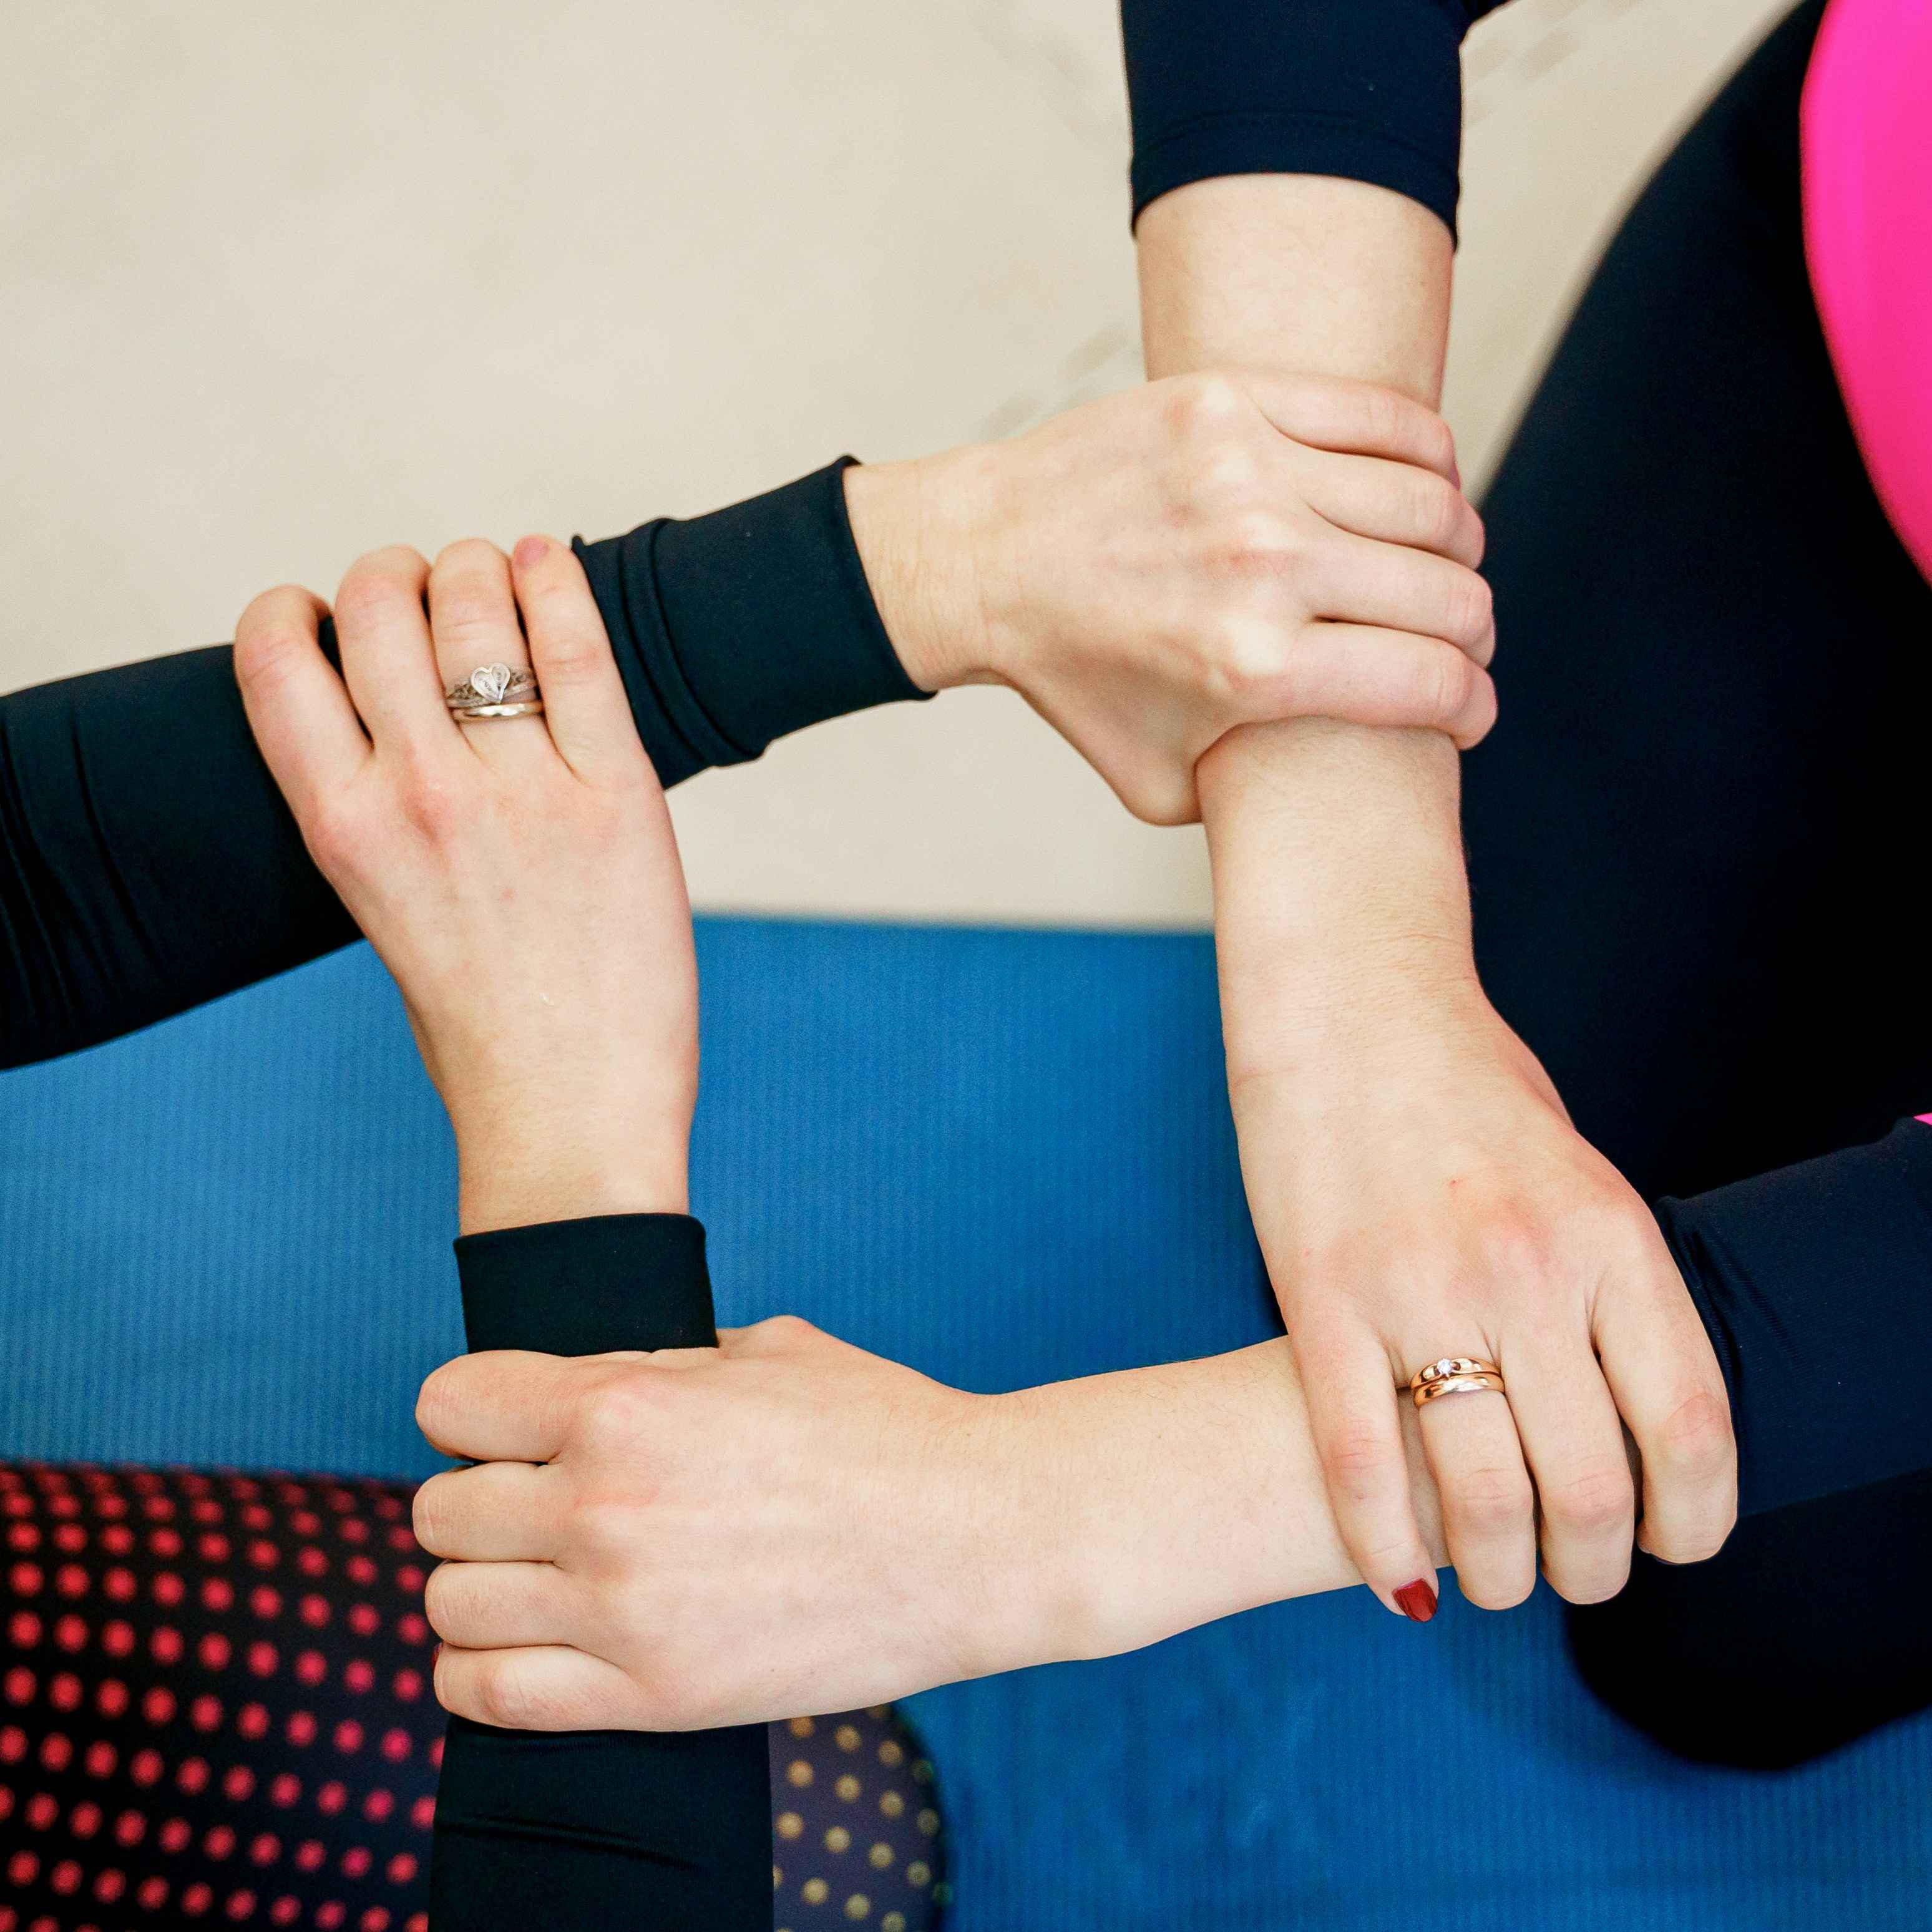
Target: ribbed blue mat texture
(1004, 1157)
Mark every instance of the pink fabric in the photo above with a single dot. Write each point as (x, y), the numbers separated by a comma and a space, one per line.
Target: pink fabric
(1867, 134)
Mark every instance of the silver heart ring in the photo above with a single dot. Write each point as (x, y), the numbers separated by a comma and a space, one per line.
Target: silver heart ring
(494, 691)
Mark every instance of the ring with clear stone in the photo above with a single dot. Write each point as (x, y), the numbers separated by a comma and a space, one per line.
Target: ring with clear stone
(1455, 1374)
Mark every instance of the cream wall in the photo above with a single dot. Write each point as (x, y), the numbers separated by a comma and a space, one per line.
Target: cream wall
(281, 284)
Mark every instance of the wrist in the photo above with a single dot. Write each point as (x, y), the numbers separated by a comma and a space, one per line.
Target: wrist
(920, 526)
(1017, 1589)
(517, 1168)
(1341, 904)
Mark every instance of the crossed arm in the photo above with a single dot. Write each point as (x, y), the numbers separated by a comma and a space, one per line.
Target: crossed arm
(700, 1538)
(1416, 1184)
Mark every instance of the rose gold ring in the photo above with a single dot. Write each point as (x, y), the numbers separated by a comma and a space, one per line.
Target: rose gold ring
(1455, 1374)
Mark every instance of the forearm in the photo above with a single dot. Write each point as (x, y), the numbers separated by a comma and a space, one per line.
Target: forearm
(1178, 1495)
(1344, 278)
(148, 864)
(583, 1829)
(1192, 1491)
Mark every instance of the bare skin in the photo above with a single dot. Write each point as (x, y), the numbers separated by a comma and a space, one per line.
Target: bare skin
(1416, 1183)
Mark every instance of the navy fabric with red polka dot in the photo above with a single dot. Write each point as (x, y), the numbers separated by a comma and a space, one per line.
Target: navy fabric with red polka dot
(215, 1707)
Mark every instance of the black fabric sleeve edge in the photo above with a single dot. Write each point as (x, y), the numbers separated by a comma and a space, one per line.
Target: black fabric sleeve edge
(1305, 143)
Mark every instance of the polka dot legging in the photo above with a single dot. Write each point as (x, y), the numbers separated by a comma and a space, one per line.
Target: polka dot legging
(215, 1706)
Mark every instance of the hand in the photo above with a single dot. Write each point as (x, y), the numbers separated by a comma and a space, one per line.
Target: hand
(518, 877)
(1153, 570)
(719, 1537)
(1419, 1191)
(701, 1537)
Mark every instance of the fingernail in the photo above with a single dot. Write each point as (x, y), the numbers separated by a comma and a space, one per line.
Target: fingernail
(1418, 1600)
(531, 551)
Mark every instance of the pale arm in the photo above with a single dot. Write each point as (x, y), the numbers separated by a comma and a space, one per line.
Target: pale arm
(1416, 1185)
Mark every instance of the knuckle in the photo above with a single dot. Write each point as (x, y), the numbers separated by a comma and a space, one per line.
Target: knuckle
(574, 656)
(1207, 402)
(1490, 1501)
(1434, 506)
(619, 1413)
(1511, 1246)
(611, 1525)
(1355, 1461)
(268, 642)
(434, 1402)
(1479, 719)
(334, 836)
(1435, 439)
(1696, 1441)
(377, 582)
(1449, 676)
(1384, 415)
(1593, 1502)
(471, 588)
(439, 1598)
(1470, 605)
(509, 1696)
(787, 1331)
(429, 1515)
(1248, 656)
(431, 805)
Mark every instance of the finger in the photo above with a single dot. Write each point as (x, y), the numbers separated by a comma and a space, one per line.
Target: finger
(474, 620)
(584, 699)
(1393, 502)
(386, 660)
(1356, 580)
(1365, 676)
(306, 729)
(1661, 1370)
(1488, 1510)
(1357, 1431)
(547, 1689)
(504, 1404)
(499, 1606)
(1361, 419)
(1573, 1443)
(495, 1512)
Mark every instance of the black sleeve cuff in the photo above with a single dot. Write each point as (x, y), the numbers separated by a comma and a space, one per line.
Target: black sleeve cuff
(1815, 1284)
(734, 628)
(1369, 90)
(580, 1830)
(1294, 144)
(589, 1286)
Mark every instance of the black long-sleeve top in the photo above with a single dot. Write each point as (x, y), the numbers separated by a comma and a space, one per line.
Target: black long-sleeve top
(148, 863)
(1370, 90)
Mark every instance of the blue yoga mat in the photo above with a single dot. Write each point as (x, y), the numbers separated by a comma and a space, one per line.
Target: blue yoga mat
(1004, 1157)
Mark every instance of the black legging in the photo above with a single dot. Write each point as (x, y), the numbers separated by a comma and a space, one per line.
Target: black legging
(1697, 842)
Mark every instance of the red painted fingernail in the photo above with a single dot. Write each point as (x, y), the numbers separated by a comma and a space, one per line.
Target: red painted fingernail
(1418, 1600)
